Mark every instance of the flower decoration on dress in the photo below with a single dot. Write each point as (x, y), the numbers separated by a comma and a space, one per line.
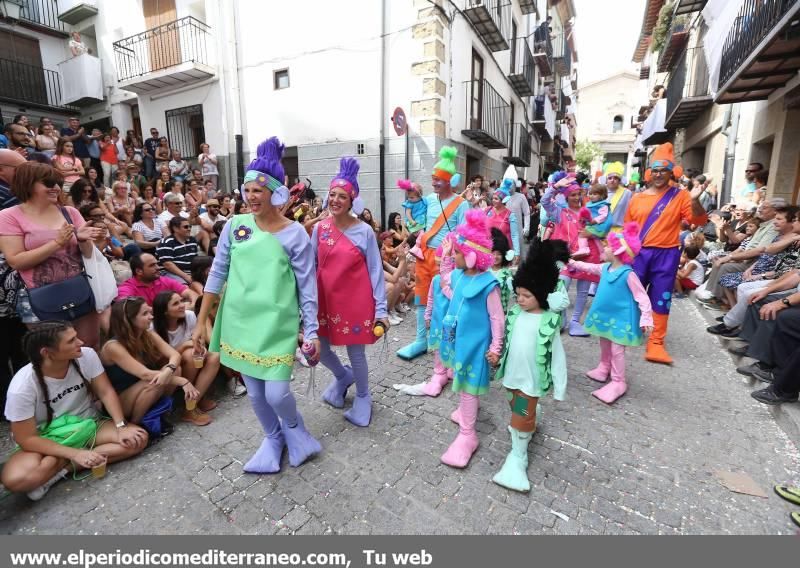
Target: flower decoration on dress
(243, 233)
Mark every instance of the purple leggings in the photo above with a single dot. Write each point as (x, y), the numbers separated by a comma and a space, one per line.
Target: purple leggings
(657, 268)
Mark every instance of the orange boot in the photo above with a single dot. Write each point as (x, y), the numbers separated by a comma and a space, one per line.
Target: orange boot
(656, 352)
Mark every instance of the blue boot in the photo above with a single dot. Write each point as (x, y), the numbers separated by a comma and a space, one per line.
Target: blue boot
(268, 457)
(420, 344)
(361, 413)
(336, 391)
(301, 444)
(576, 329)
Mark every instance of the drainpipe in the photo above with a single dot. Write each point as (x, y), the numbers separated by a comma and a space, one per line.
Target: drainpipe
(237, 98)
(382, 146)
(731, 132)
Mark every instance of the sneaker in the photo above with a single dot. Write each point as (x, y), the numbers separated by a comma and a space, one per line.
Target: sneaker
(394, 320)
(196, 417)
(405, 308)
(723, 330)
(719, 318)
(300, 358)
(709, 301)
(167, 427)
(739, 350)
(236, 387)
(756, 370)
(40, 491)
(769, 396)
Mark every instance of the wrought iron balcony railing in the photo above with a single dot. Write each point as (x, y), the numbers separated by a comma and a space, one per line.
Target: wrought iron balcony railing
(487, 115)
(28, 85)
(687, 89)
(562, 54)
(168, 45)
(522, 74)
(492, 21)
(42, 13)
(519, 147)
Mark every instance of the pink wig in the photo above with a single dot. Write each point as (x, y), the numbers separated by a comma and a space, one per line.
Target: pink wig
(626, 244)
(408, 185)
(474, 241)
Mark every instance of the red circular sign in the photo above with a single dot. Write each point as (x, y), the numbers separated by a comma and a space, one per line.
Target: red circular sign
(400, 122)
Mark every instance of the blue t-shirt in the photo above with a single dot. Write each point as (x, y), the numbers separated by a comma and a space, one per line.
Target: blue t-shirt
(79, 144)
(436, 208)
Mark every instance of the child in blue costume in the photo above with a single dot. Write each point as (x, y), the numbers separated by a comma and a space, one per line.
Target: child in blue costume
(472, 328)
(596, 215)
(414, 207)
(533, 361)
(620, 313)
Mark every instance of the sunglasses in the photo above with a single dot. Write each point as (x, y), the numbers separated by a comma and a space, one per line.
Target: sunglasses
(185, 227)
(50, 182)
(751, 171)
(147, 209)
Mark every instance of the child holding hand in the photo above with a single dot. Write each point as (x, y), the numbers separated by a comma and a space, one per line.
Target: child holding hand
(596, 216)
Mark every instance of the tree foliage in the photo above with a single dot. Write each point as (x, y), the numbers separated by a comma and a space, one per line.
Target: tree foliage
(585, 152)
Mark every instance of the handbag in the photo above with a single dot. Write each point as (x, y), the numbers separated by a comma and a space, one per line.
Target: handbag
(101, 279)
(67, 300)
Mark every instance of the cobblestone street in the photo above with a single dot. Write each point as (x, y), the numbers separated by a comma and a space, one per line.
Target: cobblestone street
(644, 466)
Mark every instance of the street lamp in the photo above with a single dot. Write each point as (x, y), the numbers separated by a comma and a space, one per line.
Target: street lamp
(11, 9)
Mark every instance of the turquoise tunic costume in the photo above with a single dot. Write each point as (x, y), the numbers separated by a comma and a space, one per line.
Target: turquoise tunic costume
(440, 305)
(466, 331)
(255, 331)
(506, 280)
(614, 314)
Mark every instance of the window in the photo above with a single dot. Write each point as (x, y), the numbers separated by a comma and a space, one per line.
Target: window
(281, 79)
(185, 130)
(476, 90)
(360, 149)
(617, 123)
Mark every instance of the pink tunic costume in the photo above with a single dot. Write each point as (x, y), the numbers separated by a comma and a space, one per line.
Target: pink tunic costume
(568, 226)
(346, 302)
(500, 221)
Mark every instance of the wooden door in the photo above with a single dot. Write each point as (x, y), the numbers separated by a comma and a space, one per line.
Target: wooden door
(164, 43)
(476, 91)
(24, 79)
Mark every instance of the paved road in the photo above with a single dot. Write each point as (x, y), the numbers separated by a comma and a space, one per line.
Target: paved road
(644, 466)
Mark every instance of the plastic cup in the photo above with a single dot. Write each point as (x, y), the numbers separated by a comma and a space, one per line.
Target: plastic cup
(198, 360)
(191, 405)
(99, 471)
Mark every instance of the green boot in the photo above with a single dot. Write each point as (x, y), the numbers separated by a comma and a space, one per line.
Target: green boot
(514, 473)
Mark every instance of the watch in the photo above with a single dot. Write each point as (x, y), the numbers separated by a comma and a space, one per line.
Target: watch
(121, 424)
(786, 302)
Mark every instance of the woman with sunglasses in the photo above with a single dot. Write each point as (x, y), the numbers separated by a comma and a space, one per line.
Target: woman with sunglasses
(39, 243)
(149, 196)
(148, 229)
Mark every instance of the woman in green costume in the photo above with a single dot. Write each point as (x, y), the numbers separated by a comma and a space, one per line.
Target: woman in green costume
(266, 264)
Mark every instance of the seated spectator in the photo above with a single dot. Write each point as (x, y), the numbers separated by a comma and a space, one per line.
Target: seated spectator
(38, 243)
(121, 204)
(131, 157)
(366, 216)
(163, 155)
(175, 253)
(212, 246)
(210, 189)
(109, 242)
(142, 367)
(96, 181)
(147, 281)
(201, 265)
(195, 196)
(147, 228)
(240, 207)
(59, 386)
(691, 273)
(178, 168)
(175, 190)
(389, 252)
(161, 183)
(173, 207)
(47, 140)
(175, 325)
(148, 195)
(760, 179)
(134, 177)
(397, 229)
(207, 221)
(226, 206)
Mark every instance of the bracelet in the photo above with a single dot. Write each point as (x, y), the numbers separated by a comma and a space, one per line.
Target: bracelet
(171, 366)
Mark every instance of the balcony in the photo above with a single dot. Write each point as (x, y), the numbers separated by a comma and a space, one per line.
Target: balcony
(519, 148)
(82, 78)
(543, 52)
(544, 118)
(31, 86)
(676, 41)
(653, 129)
(689, 6)
(75, 11)
(761, 52)
(528, 6)
(562, 55)
(42, 16)
(486, 116)
(522, 74)
(687, 89)
(492, 21)
(171, 55)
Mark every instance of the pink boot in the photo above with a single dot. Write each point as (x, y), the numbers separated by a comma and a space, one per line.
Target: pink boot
(600, 373)
(617, 387)
(416, 251)
(439, 379)
(583, 249)
(455, 416)
(465, 444)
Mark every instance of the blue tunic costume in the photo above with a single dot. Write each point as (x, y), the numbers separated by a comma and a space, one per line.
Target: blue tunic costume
(614, 314)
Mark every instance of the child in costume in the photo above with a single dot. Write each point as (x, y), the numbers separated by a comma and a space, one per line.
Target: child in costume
(352, 293)
(445, 211)
(562, 201)
(533, 361)
(597, 218)
(472, 328)
(501, 217)
(414, 207)
(618, 196)
(503, 256)
(266, 264)
(620, 312)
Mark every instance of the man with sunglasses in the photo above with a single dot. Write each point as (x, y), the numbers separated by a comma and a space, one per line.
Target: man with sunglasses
(175, 253)
(150, 146)
(659, 211)
(746, 195)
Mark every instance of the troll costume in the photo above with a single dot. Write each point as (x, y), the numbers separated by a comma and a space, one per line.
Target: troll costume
(533, 361)
(505, 220)
(659, 212)
(619, 311)
(269, 281)
(619, 198)
(414, 212)
(472, 326)
(352, 297)
(445, 211)
(567, 226)
(503, 274)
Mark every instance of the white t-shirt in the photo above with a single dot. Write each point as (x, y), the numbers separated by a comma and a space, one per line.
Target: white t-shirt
(698, 273)
(149, 234)
(209, 168)
(184, 332)
(206, 217)
(25, 398)
(165, 217)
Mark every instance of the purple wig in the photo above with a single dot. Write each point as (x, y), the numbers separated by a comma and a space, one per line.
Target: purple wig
(348, 170)
(268, 159)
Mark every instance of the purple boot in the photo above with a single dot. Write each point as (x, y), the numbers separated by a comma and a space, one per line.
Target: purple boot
(336, 391)
(361, 413)
(301, 444)
(267, 458)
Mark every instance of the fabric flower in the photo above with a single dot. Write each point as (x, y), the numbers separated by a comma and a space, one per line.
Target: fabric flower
(243, 233)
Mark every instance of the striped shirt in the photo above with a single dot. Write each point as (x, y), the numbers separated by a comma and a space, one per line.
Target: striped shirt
(171, 249)
(149, 234)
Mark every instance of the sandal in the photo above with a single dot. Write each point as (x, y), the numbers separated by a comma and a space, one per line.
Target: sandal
(795, 518)
(791, 494)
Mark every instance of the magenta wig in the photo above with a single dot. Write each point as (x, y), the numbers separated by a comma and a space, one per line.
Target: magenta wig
(408, 185)
(474, 241)
(625, 245)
